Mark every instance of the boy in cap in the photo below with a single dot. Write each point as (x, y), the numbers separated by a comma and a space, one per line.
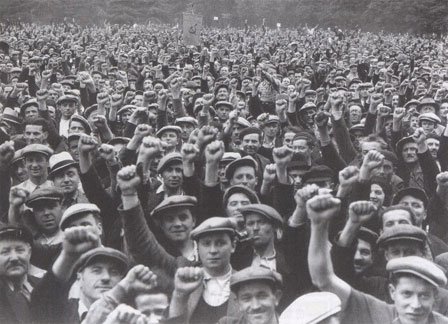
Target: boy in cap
(411, 277)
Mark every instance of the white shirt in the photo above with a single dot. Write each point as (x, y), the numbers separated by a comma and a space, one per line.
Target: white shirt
(266, 262)
(216, 289)
(63, 127)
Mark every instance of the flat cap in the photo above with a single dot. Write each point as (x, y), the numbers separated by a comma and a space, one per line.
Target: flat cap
(73, 136)
(268, 212)
(368, 235)
(267, 119)
(103, 252)
(311, 308)
(413, 102)
(255, 273)
(214, 224)
(37, 148)
(186, 120)
(429, 117)
(60, 161)
(308, 105)
(317, 173)
(230, 156)
(17, 156)
(402, 142)
(167, 159)
(83, 122)
(171, 128)
(11, 116)
(28, 103)
(175, 201)
(67, 97)
(89, 110)
(240, 189)
(402, 232)
(242, 122)
(410, 191)
(44, 194)
(428, 102)
(244, 161)
(250, 130)
(16, 232)
(419, 267)
(125, 108)
(76, 209)
(224, 104)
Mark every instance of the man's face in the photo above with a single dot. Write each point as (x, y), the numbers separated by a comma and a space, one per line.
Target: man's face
(53, 95)
(177, 224)
(428, 126)
(187, 128)
(173, 175)
(287, 139)
(153, 306)
(414, 299)
(251, 143)
(223, 112)
(34, 134)
(86, 219)
(67, 180)
(417, 207)
(308, 116)
(403, 248)
(301, 146)
(260, 230)
(377, 195)
(385, 170)
(236, 132)
(36, 164)
(355, 114)
(433, 146)
(271, 129)
(215, 250)
(223, 94)
(73, 149)
(395, 217)
(414, 122)
(363, 257)
(428, 109)
(257, 301)
(31, 112)
(47, 214)
(15, 258)
(170, 138)
(369, 146)
(395, 101)
(444, 110)
(236, 201)
(67, 108)
(99, 277)
(244, 175)
(409, 153)
(19, 171)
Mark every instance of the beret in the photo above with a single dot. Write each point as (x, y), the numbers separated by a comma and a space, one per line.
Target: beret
(317, 173)
(401, 232)
(368, 235)
(75, 210)
(230, 156)
(311, 308)
(172, 128)
(119, 140)
(224, 104)
(244, 161)
(428, 102)
(430, 117)
(250, 130)
(419, 267)
(67, 97)
(83, 122)
(104, 252)
(175, 201)
(264, 210)
(240, 189)
(37, 148)
(47, 193)
(165, 160)
(255, 273)
(410, 191)
(214, 224)
(60, 161)
(16, 232)
(186, 120)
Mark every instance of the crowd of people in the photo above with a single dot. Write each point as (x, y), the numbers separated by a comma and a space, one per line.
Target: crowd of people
(265, 176)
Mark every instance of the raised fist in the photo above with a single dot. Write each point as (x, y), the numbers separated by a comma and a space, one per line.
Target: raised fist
(102, 98)
(282, 156)
(150, 148)
(18, 196)
(384, 111)
(128, 180)
(138, 280)
(322, 208)
(419, 136)
(372, 160)
(142, 130)
(187, 279)
(304, 194)
(124, 314)
(293, 97)
(189, 152)
(280, 106)
(42, 95)
(214, 152)
(321, 119)
(6, 153)
(269, 173)
(87, 144)
(46, 75)
(80, 239)
(399, 113)
(206, 135)
(348, 176)
(107, 152)
(207, 99)
(361, 211)
(100, 121)
(442, 179)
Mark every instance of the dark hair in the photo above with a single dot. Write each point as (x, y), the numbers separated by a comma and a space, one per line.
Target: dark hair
(39, 122)
(387, 189)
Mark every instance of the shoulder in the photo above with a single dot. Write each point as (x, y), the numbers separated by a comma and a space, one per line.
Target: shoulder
(230, 320)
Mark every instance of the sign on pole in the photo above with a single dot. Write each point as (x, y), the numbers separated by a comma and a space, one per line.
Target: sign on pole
(192, 26)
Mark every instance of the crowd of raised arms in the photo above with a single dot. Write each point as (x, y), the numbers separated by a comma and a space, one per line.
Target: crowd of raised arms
(263, 176)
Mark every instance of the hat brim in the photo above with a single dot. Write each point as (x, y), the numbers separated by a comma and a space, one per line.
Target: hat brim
(164, 209)
(32, 202)
(62, 166)
(200, 234)
(417, 274)
(400, 238)
(234, 286)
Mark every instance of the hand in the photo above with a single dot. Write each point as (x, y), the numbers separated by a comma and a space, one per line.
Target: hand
(102, 98)
(125, 314)
(187, 279)
(150, 148)
(149, 95)
(214, 152)
(176, 86)
(269, 173)
(21, 86)
(293, 97)
(100, 121)
(282, 156)
(128, 180)
(107, 152)
(321, 119)
(138, 280)
(42, 95)
(80, 239)
(376, 99)
(189, 153)
(207, 99)
(442, 185)
(322, 208)
(280, 106)
(348, 176)
(87, 144)
(142, 130)
(233, 116)
(304, 194)
(6, 153)
(384, 111)
(46, 75)
(399, 113)
(206, 135)
(419, 136)
(18, 197)
(361, 211)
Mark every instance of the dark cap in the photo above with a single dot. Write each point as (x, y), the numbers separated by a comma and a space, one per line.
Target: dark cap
(428, 102)
(15, 232)
(250, 130)
(103, 252)
(419, 267)
(317, 173)
(410, 191)
(368, 235)
(402, 142)
(240, 189)
(76, 209)
(213, 225)
(167, 159)
(266, 211)
(44, 194)
(175, 201)
(401, 232)
(255, 273)
(37, 148)
(244, 161)
(83, 122)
